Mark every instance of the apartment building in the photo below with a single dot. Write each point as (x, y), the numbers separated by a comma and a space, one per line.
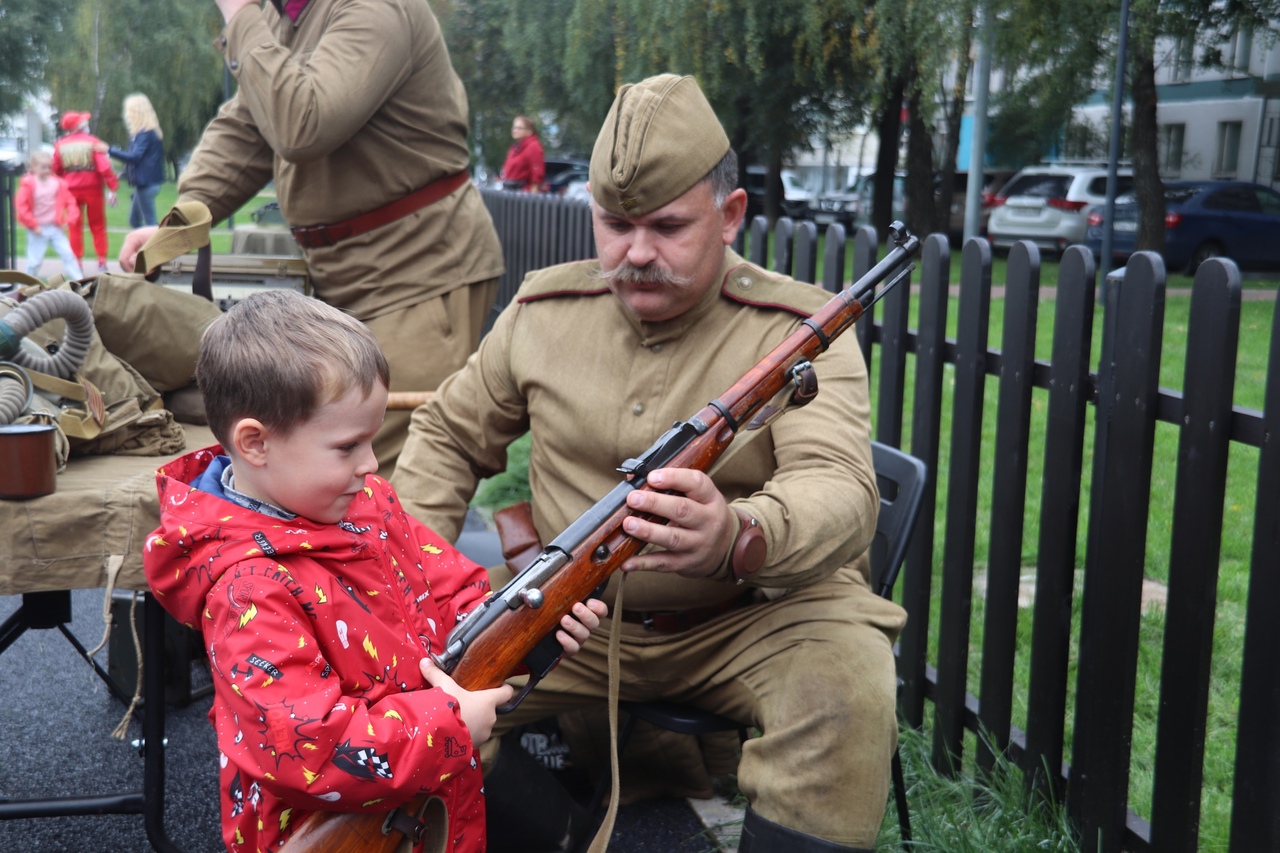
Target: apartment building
(1219, 123)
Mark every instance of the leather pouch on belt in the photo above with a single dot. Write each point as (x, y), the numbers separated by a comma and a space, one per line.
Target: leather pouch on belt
(520, 542)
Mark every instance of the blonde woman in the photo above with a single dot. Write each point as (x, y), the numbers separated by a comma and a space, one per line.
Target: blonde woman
(144, 161)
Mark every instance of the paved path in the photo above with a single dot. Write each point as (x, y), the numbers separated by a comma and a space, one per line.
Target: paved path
(56, 721)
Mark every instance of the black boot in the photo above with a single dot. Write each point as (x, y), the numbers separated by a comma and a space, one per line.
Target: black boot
(760, 835)
(527, 809)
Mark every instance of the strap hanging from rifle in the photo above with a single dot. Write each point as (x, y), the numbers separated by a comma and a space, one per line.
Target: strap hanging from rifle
(600, 844)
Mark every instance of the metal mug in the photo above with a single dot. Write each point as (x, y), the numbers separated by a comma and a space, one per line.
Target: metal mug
(28, 461)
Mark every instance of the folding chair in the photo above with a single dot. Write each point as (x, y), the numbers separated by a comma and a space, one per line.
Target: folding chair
(901, 479)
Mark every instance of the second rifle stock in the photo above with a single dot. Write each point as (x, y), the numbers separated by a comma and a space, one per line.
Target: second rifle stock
(494, 640)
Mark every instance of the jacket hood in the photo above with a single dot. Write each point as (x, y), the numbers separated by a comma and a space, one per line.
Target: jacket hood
(201, 534)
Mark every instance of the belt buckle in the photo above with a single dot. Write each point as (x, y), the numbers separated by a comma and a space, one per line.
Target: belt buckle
(647, 620)
(313, 236)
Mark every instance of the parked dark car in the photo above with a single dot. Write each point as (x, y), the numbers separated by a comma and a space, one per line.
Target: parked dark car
(852, 205)
(1202, 220)
(795, 201)
(562, 172)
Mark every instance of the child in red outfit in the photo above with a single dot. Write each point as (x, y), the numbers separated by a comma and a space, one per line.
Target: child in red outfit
(86, 171)
(319, 598)
(46, 208)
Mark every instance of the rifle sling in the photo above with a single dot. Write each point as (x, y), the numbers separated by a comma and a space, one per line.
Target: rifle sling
(600, 844)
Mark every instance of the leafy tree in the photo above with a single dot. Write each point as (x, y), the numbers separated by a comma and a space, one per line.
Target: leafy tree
(778, 72)
(917, 43)
(1051, 53)
(1198, 22)
(111, 48)
(27, 30)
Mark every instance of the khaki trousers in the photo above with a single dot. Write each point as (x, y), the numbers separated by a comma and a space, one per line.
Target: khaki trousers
(813, 670)
(424, 343)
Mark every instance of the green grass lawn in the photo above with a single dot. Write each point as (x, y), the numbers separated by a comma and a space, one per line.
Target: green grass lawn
(118, 221)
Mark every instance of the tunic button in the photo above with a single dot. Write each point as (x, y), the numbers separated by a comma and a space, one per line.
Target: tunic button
(224, 41)
(656, 348)
(234, 65)
(744, 282)
(638, 408)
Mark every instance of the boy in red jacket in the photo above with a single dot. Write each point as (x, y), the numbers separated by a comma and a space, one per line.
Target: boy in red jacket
(319, 598)
(46, 208)
(87, 171)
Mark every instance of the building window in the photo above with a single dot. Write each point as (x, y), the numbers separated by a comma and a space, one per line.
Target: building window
(1243, 48)
(1183, 60)
(1171, 149)
(1227, 159)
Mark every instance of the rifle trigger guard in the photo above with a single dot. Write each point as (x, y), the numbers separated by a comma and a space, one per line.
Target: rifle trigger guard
(398, 820)
(806, 379)
(519, 697)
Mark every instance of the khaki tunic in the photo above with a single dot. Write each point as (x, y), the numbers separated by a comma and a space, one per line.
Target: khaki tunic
(811, 663)
(350, 107)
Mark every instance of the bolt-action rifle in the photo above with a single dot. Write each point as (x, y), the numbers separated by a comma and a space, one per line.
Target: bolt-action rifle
(516, 626)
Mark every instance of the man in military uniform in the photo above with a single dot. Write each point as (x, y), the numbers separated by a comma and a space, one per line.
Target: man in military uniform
(754, 601)
(355, 111)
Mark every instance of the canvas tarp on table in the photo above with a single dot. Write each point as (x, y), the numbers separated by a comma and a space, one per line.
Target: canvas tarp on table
(104, 506)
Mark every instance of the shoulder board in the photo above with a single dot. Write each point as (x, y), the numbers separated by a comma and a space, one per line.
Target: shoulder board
(748, 284)
(571, 279)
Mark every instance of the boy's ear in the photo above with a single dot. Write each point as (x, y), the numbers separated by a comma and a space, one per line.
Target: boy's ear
(249, 441)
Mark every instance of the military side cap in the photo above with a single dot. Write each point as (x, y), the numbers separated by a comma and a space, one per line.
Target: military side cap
(660, 138)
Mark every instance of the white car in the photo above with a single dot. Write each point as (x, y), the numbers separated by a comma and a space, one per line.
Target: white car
(1048, 205)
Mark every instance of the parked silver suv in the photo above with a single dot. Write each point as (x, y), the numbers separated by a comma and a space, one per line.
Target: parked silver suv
(1048, 204)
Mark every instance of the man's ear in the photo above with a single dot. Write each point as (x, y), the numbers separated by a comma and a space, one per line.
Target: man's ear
(733, 209)
(249, 441)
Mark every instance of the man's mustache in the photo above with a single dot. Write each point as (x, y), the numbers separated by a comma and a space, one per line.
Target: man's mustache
(628, 273)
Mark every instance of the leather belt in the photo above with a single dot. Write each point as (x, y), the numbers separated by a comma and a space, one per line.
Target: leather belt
(675, 621)
(316, 236)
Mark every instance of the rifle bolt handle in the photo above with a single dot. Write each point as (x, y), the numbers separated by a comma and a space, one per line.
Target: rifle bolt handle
(532, 598)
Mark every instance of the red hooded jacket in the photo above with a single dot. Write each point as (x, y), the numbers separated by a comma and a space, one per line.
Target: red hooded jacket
(314, 633)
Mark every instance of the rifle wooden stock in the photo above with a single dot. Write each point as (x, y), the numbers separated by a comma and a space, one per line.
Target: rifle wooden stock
(494, 654)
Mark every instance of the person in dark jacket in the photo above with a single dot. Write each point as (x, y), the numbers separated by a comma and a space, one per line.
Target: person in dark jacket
(144, 161)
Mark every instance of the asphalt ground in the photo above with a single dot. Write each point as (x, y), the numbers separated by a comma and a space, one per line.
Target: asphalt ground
(56, 719)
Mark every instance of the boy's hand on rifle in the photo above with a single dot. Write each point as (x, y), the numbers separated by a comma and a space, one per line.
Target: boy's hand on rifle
(700, 525)
(575, 627)
(477, 707)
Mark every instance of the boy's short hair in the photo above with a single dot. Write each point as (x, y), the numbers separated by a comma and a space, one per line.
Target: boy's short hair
(277, 356)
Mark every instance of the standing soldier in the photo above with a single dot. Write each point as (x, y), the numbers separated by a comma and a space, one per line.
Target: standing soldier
(86, 171)
(354, 109)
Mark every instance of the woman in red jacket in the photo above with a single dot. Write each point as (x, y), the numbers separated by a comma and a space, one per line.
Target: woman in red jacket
(525, 167)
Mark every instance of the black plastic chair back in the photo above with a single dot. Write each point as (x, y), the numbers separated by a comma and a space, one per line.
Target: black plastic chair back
(901, 479)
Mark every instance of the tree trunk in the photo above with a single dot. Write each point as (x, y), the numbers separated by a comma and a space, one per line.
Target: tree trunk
(920, 204)
(773, 189)
(1147, 185)
(955, 112)
(890, 128)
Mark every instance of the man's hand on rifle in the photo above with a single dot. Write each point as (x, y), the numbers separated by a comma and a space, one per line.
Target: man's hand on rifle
(700, 525)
